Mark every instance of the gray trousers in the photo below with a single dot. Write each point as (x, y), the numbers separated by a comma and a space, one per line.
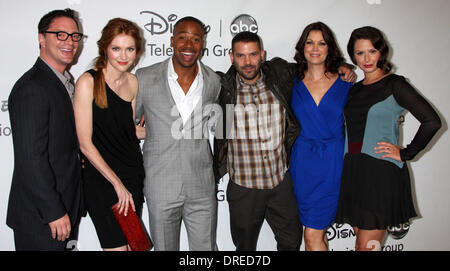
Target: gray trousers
(199, 217)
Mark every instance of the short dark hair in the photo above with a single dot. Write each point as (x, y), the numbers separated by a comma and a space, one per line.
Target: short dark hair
(334, 57)
(378, 41)
(246, 36)
(190, 19)
(47, 19)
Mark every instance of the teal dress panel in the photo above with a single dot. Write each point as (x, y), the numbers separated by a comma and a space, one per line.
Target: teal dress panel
(387, 130)
(375, 192)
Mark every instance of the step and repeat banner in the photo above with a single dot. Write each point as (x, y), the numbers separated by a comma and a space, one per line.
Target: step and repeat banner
(416, 29)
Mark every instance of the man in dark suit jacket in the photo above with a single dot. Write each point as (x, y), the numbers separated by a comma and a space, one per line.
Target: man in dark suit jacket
(45, 197)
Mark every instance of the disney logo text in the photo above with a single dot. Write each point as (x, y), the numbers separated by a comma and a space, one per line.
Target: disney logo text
(159, 25)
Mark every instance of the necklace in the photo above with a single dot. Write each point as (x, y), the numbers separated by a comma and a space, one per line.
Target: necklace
(312, 79)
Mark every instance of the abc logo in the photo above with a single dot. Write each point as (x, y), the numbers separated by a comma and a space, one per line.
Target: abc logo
(243, 22)
(399, 231)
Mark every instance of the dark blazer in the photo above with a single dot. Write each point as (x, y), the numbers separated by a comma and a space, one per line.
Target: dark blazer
(46, 181)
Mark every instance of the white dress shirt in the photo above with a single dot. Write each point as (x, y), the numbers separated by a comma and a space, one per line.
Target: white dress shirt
(185, 102)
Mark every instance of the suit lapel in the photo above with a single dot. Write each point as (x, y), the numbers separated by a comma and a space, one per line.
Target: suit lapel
(164, 84)
(196, 117)
(205, 93)
(55, 84)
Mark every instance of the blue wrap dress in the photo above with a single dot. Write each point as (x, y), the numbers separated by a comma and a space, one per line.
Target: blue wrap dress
(317, 154)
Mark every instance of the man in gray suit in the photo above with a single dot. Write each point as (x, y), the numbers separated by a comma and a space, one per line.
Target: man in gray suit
(176, 97)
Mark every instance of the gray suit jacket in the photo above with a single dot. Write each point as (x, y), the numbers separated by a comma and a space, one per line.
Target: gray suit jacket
(177, 158)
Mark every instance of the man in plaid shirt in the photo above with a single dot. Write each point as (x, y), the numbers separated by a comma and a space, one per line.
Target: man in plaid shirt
(254, 146)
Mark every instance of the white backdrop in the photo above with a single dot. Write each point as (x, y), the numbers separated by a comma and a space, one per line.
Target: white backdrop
(417, 30)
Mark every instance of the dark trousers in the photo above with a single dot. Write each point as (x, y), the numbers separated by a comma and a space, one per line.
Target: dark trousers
(37, 240)
(278, 206)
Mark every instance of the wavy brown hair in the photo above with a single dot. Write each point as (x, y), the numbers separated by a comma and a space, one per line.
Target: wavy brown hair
(114, 27)
(334, 57)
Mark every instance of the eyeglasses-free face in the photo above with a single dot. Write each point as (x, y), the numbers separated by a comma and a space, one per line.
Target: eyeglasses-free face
(63, 36)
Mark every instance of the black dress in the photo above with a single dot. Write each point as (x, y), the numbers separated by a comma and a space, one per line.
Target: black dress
(376, 193)
(114, 136)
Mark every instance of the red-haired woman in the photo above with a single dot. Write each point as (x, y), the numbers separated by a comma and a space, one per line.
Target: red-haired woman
(104, 106)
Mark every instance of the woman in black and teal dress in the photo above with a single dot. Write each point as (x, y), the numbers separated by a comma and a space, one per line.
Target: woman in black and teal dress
(375, 190)
(104, 107)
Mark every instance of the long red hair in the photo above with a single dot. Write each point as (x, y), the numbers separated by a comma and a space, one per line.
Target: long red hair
(114, 27)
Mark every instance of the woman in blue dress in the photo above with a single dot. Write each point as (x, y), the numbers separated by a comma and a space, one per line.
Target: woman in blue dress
(318, 99)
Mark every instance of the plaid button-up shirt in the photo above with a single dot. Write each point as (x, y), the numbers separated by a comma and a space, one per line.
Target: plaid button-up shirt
(256, 154)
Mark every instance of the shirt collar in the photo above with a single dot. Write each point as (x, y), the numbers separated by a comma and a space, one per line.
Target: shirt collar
(174, 76)
(65, 78)
(244, 85)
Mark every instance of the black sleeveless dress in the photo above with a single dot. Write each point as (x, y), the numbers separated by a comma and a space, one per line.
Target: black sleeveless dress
(114, 135)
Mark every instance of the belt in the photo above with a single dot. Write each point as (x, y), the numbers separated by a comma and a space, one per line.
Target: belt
(319, 145)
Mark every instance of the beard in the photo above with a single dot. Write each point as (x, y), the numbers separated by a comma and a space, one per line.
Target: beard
(248, 76)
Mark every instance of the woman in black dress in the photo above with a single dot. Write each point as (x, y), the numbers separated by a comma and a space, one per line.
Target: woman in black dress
(104, 106)
(375, 190)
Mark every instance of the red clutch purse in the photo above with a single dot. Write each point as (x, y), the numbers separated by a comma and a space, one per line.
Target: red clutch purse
(133, 230)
